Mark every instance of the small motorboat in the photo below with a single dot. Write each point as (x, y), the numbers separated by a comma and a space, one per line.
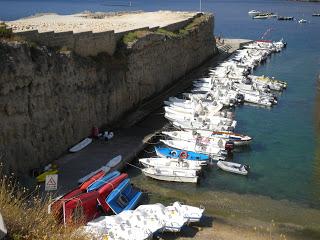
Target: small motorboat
(82, 208)
(284, 18)
(81, 145)
(114, 162)
(91, 180)
(101, 226)
(128, 232)
(233, 167)
(302, 21)
(201, 148)
(56, 207)
(263, 16)
(77, 205)
(176, 153)
(105, 169)
(254, 12)
(171, 218)
(107, 188)
(316, 14)
(172, 163)
(101, 181)
(171, 175)
(123, 197)
(192, 214)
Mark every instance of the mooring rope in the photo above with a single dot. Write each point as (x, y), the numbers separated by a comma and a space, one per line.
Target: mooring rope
(134, 166)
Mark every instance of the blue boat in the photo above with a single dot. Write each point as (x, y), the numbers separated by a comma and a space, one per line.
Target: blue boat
(123, 197)
(175, 153)
(102, 181)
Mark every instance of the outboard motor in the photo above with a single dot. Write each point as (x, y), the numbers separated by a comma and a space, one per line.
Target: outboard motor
(247, 81)
(230, 129)
(230, 114)
(232, 102)
(267, 89)
(210, 97)
(229, 146)
(240, 98)
(246, 72)
(224, 153)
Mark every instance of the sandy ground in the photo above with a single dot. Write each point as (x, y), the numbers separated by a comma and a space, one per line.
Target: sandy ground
(98, 22)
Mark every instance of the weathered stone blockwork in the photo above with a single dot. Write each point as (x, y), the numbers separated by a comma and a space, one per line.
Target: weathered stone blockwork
(87, 43)
(49, 101)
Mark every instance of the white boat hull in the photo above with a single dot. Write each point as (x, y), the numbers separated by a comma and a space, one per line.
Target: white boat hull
(232, 167)
(81, 145)
(172, 177)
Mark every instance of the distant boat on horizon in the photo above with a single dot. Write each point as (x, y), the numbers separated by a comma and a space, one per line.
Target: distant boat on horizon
(285, 18)
(302, 21)
(254, 12)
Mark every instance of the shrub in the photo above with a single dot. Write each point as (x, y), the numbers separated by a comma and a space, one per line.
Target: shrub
(133, 36)
(25, 214)
(5, 32)
(166, 32)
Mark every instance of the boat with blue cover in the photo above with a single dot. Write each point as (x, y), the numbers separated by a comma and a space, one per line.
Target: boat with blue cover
(123, 197)
(175, 153)
(100, 182)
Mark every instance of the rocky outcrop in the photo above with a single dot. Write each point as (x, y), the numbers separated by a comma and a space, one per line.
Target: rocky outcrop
(49, 100)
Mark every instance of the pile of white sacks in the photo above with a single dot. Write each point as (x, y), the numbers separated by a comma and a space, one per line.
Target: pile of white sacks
(143, 222)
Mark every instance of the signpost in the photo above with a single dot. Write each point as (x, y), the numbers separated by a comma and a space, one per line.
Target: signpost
(51, 182)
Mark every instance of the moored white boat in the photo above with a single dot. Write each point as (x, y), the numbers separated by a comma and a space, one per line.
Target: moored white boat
(200, 148)
(171, 175)
(206, 137)
(254, 12)
(233, 167)
(193, 214)
(179, 164)
(173, 219)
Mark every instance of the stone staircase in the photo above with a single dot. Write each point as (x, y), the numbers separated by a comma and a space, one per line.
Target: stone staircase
(224, 48)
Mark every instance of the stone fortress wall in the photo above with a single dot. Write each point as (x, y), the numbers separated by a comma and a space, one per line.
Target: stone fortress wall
(49, 100)
(89, 43)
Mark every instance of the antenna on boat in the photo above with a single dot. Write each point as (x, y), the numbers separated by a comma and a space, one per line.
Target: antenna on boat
(200, 5)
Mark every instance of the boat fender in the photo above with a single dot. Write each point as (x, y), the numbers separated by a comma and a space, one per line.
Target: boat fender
(173, 153)
(183, 155)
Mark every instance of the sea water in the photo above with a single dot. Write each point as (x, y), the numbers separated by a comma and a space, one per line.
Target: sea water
(285, 153)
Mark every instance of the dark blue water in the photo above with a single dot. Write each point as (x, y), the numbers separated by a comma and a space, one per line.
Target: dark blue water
(285, 154)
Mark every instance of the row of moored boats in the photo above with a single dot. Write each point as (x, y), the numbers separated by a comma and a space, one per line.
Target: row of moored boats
(203, 120)
(255, 14)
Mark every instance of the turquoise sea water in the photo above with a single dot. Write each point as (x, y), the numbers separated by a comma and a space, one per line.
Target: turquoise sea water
(285, 154)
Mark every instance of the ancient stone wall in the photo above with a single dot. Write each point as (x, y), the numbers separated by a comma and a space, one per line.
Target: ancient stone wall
(88, 43)
(50, 100)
